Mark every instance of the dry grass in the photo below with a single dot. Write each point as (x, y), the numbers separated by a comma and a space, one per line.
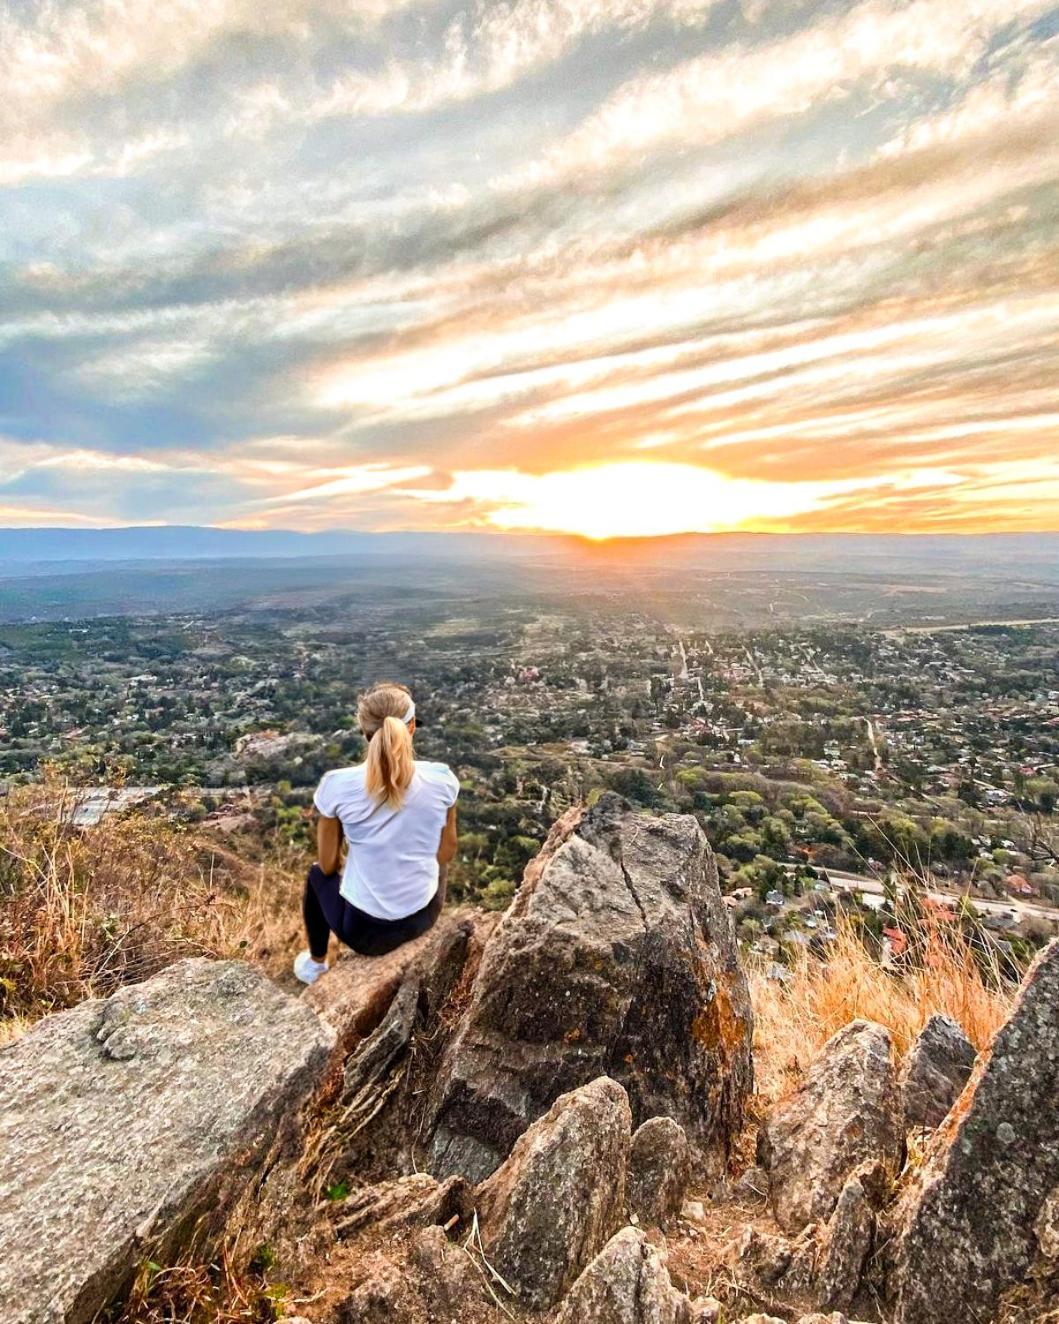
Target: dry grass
(82, 912)
(945, 972)
(234, 1287)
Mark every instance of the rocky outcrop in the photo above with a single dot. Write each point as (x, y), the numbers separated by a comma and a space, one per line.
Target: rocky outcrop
(823, 1266)
(560, 1195)
(935, 1070)
(627, 1283)
(659, 1170)
(966, 1230)
(844, 1249)
(835, 1317)
(417, 1200)
(846, 1112)
(358, 992)
(430, 1281)
(617, 957)
(388, 1014)
(123, 1121)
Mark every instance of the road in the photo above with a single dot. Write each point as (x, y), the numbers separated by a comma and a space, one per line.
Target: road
(967, 625)
(842, 881)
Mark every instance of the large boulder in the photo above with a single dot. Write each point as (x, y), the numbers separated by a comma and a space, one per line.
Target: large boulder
(617, 957)
(123, 1121)
(659, 1169)
(935, 1070)
(966, 1230)
(556, 1200)
(846, 1112)
(627, 1283)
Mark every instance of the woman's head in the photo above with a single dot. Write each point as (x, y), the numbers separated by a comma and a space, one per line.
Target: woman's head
(386, 715)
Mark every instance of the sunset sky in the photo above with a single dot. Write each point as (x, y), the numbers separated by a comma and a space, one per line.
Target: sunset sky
(609, 266)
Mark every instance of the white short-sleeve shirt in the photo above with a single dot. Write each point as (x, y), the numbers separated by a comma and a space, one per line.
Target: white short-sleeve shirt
(392, 858)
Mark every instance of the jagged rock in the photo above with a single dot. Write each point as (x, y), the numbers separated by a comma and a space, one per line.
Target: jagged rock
(422, 1279)
(124, 1120)
(752, 1185)
(627, 1283)
(388, 1016)
(413, 1201)
(836, 1317)
(758, 1258)
(1047, 1227)
(706, 1310)
(844, 1249)
(357, 992)
(935, 1070)
(659, 1170)
(617, 957)
(385, 1294)
(560, 1195)
(762, 1319)
(823, 1265)
(965, 1231)
(450, 1285)
(846, 1112)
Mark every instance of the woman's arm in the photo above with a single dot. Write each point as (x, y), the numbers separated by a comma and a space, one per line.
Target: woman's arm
(329, 843)
(447, 845)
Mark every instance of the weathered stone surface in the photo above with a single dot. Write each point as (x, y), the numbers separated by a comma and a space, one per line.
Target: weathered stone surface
(759, 1259)
(659, 1170)
(388, 1013)
(706, 1310)
(450, 1285)
(844, 1249)
(356, 993)
(123, 1120)
(935, 1070)
(752, 1186)
(617, 957)
(555, 1201)
(412, 1201)
(966, 1229)
(627, 1283)
(836, 1317)
(1047, 1227)
(846, 1112)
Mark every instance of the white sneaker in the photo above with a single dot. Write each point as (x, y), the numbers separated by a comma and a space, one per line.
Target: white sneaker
(307, 968)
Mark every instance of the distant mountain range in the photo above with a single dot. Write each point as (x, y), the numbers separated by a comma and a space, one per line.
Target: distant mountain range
(1036, 555)
(49, 574)
(174, 542)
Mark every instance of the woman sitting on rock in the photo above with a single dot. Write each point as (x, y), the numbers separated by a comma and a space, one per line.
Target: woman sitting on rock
(398, 816)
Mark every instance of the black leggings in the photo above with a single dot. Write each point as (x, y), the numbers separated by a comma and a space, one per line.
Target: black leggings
(327, 911)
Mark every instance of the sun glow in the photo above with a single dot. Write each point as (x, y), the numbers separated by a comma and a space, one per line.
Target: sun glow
(634, 499)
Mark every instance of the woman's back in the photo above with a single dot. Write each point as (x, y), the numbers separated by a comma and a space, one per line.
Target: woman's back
(391, 865)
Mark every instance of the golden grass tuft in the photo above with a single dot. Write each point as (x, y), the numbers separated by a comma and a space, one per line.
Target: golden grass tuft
(84, 911)
(946, 972)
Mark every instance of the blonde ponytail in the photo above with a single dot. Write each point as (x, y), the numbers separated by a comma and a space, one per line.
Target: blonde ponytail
(390, 763)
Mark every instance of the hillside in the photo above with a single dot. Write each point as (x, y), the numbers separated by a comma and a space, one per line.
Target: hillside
(552, 1116)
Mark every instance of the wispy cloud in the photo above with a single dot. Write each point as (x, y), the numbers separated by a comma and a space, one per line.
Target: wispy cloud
(410, 262)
